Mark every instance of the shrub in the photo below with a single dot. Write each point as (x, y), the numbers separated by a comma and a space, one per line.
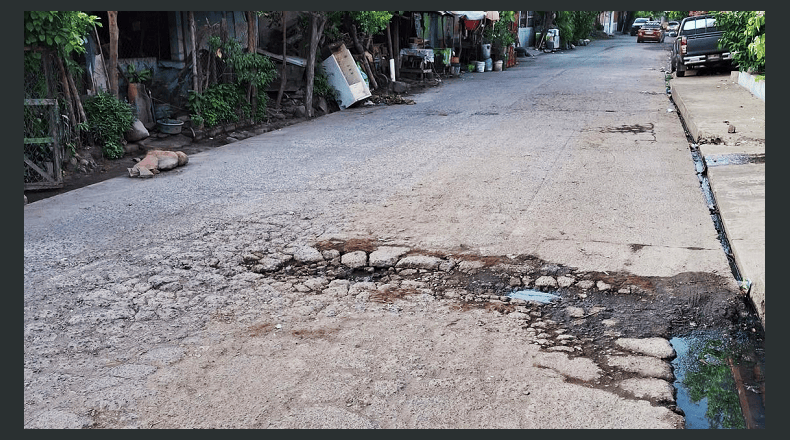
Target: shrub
(109, 119)
(744, 35)
(227, 102)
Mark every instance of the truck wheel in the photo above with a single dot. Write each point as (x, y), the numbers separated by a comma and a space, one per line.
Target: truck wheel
(681, 73)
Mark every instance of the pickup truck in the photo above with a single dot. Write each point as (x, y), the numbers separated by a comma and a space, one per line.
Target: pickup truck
(697, 45)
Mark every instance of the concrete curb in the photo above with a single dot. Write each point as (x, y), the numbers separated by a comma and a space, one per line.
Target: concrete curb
(727, 121)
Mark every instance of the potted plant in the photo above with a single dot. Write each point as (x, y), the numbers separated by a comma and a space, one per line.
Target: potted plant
(500, 34)
(136, 92)
(137, 76)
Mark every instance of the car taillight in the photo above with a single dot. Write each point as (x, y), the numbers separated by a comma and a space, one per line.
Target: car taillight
(683, 45)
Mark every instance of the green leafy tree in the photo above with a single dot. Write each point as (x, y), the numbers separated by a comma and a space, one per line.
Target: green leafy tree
(744, 35)
(500, 34)
(677, 15)
(61, 30)
(575, 25)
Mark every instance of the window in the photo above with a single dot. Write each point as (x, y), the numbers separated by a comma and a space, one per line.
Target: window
(526, 19)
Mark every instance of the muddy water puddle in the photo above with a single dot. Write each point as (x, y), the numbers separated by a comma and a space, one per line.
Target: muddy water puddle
(719, 380)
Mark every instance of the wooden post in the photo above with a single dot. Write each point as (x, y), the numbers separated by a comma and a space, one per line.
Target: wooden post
(396, 48)
(193, 49)
(361, 50)
(251, 43)
(317, 22)
(282, 69)
(112, 69)
(389, 44)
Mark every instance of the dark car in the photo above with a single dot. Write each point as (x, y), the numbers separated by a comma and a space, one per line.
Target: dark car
(697, 46)
(672, 28)
(637, 24)
(650, 31)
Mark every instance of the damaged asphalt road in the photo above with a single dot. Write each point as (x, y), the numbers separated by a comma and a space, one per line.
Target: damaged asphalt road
(244, 289)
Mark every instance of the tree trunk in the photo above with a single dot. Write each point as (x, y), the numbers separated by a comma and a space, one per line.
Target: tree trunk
(317, 22)
(251, 48)
(282, 69)
(361, 50)
(112, 69)
(396, 48)
(193, 49)
(389, 47)
(77, 101)
(67, 92)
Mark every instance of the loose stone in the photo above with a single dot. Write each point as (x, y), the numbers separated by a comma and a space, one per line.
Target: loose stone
(656, 347)
(355, 259)
(545, 281)
(386, 256)
(602, 286)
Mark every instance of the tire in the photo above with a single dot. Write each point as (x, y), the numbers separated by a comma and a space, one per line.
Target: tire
(681, 73)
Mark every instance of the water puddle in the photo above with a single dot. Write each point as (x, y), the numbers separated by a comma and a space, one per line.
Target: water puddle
(534, 295)
(719, 381)
(733, 159)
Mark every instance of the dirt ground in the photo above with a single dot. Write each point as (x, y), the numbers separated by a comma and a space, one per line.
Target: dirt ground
(102, 168)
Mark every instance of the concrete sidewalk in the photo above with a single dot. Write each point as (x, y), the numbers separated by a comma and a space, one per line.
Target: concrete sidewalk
(728, 124)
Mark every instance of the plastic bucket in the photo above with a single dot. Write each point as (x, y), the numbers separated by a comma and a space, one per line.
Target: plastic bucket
(481, 66)
(489, 65)
(498, 66)
(455, 69)
(485, 50)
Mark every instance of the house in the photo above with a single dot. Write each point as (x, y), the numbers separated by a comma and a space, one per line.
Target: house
(526, 28)
(612, 21)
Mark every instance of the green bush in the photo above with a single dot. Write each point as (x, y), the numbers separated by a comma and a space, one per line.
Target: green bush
(575, 25)
(227, 102)
(321, 86)
(217, 104)
(744, 35)
(108, 120)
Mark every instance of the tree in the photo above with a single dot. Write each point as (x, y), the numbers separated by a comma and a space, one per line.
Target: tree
(317, 22)
(64, 31)
(677, 15)
(743, 33)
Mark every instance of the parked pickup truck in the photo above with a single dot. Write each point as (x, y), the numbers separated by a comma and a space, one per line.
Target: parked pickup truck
(697, 45)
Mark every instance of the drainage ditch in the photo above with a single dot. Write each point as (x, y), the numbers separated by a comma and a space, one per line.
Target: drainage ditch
(720, 379)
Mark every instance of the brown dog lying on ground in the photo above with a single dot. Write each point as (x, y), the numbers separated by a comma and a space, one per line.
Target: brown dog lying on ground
(156, 161)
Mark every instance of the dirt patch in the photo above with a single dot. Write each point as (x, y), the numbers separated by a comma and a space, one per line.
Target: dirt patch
(101, 168)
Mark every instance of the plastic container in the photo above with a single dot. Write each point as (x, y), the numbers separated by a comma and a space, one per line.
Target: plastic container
(498, 66)
(489, 64)
(481, 66)
(169, 126)
(455, 69)
(485, 50)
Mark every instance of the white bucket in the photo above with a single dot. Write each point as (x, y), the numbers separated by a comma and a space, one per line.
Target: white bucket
(498, 66)
(481, 66)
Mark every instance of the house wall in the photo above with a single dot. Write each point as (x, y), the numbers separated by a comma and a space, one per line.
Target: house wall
(526, 32)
